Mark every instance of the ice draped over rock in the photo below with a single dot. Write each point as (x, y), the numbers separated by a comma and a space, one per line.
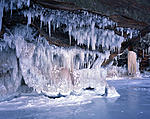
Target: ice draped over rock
(86, 28)
(48, 69)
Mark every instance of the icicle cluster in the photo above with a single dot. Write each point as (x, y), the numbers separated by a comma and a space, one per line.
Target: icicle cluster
(145, 44)
(86, 28)
(10, 5)
(130, 32)
(53, 70)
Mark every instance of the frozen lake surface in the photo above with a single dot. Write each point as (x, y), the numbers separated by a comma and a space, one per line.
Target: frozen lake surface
(133, 103)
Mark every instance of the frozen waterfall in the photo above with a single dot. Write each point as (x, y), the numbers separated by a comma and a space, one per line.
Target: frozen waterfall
(132, 63)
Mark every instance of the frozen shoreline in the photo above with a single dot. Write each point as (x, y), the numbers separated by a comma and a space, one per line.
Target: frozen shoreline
(132, 103)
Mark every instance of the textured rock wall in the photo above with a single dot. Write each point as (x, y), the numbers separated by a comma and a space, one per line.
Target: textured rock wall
(127, 13)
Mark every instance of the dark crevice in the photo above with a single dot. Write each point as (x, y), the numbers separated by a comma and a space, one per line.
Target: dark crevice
(23, 82)
(54, 97)
(89, 88)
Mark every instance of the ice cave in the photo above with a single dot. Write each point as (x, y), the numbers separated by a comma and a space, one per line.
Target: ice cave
(74, 59)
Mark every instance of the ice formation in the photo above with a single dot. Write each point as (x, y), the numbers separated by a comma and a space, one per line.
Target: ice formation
(132, 63)
(116, 73)
(131, 69)
(49, 69)
(53, 70)
(86, 28)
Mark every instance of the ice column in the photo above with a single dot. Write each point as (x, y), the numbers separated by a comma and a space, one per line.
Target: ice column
(70, 34)
(132, 63)
(28, 3)
(11, 6)
(29, 18)
(93, 43)
(49, 27)
(1, 15)
(41, 19)
(143, 53)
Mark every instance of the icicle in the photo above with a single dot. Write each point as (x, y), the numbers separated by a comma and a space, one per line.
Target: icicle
(143, 53)
(1, 15)
(41, 18)
(94, 43)
(49, 27)
(57, 25)
(70, 29)
(130, 34)
(78, 65)
(28, 3)
(11, 7)
(93, 37)
(29, 18)
(121, 31)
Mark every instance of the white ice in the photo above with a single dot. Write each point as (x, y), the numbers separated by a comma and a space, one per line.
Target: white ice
(54, 70)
